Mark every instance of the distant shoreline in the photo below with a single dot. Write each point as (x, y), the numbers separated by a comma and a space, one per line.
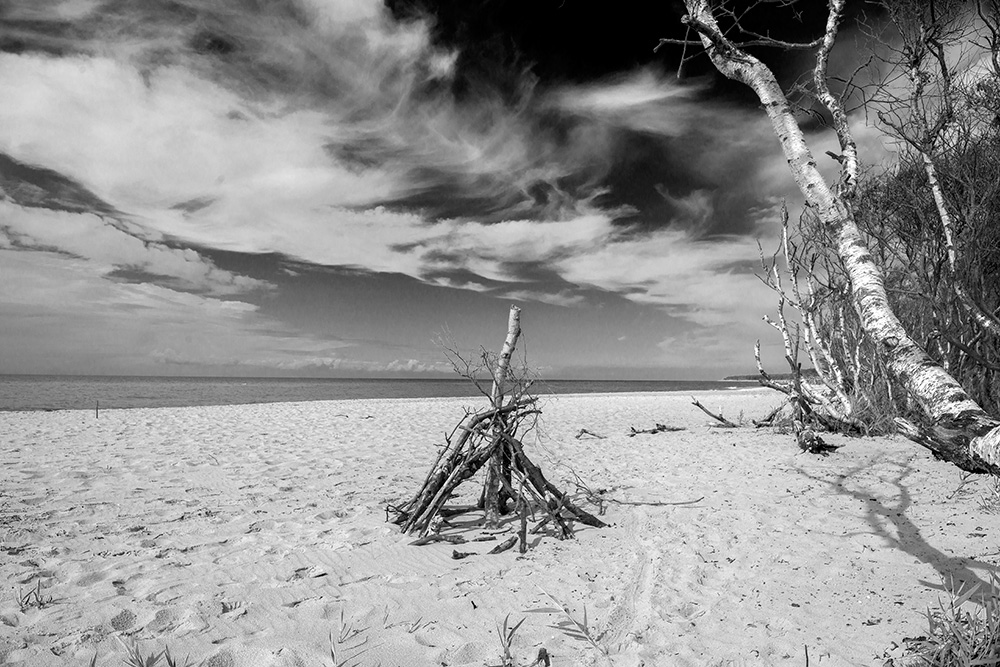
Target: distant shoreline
(808, 373)
(47, 393)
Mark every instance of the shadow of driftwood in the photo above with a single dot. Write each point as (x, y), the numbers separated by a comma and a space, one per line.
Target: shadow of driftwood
(892, 523)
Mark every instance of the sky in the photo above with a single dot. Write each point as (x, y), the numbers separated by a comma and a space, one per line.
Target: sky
(337, 188)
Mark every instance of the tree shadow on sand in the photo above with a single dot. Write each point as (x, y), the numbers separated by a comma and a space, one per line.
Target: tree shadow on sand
(956, 573)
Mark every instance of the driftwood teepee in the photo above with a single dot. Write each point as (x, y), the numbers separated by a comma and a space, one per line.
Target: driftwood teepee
(489, 438)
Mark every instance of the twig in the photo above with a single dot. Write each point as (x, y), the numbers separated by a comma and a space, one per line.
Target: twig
(437, 537)
(769, 419)
(654, 504)
(522, 532)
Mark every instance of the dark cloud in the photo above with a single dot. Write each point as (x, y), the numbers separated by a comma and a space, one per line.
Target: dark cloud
(193, 205)
(33, 186)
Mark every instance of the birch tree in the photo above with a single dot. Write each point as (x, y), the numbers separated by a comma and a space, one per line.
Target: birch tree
(957, 429)
(932, 118)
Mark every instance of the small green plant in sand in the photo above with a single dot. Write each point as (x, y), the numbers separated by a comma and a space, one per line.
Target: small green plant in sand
(990, 502)
(33, 598)
(573, 627)
(506, 635)
(958, 637)
(348, 644)
(134, 657)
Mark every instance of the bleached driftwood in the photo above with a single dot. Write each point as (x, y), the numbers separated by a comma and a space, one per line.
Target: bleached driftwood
(489, 438)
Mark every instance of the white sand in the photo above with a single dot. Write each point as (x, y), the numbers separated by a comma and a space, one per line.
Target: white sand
(242, 534)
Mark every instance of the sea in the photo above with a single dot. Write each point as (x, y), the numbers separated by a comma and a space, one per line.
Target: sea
(74, 392)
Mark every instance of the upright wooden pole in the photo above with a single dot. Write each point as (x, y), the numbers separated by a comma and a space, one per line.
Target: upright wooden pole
(491, 492)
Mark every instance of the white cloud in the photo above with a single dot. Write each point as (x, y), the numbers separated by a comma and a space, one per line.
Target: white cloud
(148, 139)
(696, 207)
(91, 237)
(624, 93)
(704, 282)
(444, 281)
(640, 101)
(563, 298)
(147, 147)
(61, 315)
(335, 363)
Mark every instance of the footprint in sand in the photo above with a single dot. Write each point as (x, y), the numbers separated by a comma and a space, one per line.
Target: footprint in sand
(124, 620)
(164, 621)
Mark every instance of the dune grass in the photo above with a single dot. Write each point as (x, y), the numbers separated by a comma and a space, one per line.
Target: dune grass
(961, 632)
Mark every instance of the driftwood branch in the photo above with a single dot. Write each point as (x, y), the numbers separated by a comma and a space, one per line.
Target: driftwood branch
(723, 422)
(494, 493)
(769, 419)
(489, 439)
(659, 428)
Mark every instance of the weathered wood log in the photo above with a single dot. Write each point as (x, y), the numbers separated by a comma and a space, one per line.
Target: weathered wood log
(541, 501)
(437, 537)
(499, 464)
(453, 457)
(769, 419)
(565, 530)
(468, 466)
(504, 546)
(534, 474)
(719, 418)
(658, 428)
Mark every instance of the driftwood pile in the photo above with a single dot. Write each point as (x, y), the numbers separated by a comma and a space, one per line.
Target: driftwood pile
(488, 438)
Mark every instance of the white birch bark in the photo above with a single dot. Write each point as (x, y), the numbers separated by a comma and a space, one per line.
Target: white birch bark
(985, 320)
(491, 504)
(503, 361)
(961, 431)
(825, 366)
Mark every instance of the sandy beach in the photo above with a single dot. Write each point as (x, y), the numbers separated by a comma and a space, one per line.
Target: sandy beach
(256, 535)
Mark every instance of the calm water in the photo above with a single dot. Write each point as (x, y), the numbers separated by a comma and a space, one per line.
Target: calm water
(62, 392)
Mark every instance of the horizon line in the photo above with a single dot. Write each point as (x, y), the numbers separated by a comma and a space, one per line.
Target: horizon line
(741, 377)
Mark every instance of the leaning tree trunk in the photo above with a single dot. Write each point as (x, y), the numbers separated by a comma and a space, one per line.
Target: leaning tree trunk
(498, 470)
(960, 431)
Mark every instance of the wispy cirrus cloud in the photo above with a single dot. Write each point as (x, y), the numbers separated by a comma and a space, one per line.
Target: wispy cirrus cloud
(282, 129)
(563, 298)
(335, 135)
